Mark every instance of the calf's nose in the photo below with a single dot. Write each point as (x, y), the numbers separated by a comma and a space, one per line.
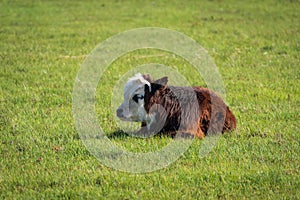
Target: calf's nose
(119, 112)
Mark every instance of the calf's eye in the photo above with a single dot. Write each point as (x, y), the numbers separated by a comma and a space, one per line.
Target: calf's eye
(136, 97)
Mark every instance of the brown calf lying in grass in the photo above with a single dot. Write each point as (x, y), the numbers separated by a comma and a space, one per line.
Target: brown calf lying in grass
(166, 109)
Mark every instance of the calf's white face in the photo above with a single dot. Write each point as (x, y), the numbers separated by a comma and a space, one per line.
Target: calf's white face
(132, 109)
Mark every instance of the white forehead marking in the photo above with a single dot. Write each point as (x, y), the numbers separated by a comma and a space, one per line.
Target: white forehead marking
(139, 78)
(134, 84)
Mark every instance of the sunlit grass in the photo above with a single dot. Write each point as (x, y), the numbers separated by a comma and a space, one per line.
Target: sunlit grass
(255, 46)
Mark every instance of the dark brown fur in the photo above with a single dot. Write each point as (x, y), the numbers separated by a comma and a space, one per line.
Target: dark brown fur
(181, 113)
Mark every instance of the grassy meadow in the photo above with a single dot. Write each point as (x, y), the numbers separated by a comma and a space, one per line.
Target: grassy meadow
(255, 45)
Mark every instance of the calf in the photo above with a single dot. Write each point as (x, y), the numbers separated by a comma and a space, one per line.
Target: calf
(195, 111)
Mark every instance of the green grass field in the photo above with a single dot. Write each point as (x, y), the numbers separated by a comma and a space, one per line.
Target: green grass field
(256, 46)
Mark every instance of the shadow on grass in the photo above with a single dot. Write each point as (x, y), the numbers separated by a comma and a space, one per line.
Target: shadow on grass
(123, 135)
(119, 134)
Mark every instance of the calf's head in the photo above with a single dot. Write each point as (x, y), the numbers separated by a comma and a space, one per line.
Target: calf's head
(132, 109)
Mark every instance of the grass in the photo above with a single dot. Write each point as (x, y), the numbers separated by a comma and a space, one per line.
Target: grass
(255, 45)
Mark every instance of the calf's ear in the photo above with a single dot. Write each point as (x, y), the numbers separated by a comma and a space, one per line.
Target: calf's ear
(159, 84)
(162, 81)
(147, 77)
(156, 85)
